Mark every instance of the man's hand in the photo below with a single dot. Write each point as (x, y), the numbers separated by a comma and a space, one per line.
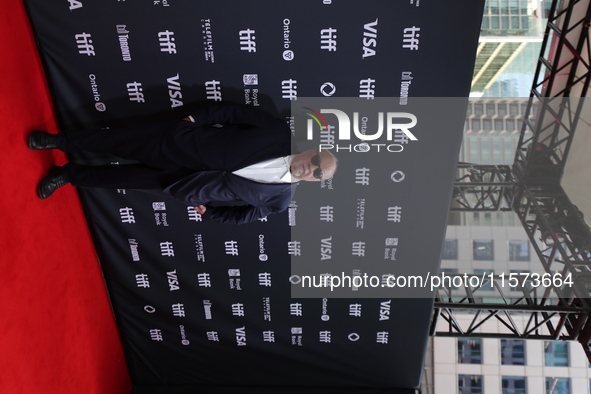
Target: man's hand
(200, 209)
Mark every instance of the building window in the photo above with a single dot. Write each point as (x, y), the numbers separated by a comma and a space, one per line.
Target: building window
(518, 250)
(469, 351)
(512, 352)
(513, 385)
(557, 385)
(470, 384)
(556, 354)
(450, 249)
(483, 249)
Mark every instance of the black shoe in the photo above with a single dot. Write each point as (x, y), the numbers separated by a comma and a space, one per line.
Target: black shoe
(41, 140)
(53, 181)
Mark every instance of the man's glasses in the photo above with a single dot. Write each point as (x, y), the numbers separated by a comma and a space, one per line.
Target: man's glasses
(316, 161)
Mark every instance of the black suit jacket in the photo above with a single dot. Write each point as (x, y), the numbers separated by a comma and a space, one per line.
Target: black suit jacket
(223, 139)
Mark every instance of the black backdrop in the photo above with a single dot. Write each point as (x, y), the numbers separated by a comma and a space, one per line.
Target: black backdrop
(203, 307)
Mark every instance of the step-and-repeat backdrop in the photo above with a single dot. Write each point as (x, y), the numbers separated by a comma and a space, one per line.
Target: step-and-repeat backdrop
(206, 306)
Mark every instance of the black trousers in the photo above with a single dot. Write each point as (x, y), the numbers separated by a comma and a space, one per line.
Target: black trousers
(143, 144)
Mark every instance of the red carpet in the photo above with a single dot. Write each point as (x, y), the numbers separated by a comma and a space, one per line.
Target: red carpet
(58, 334)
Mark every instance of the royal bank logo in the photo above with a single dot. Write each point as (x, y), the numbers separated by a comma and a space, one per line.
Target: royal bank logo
(166, 41)
(288, 54)
(161, 218)
(328, 39)
(391, 247)
(297, 334)
(84, 43)
(95, 94)
(207, 40)
(123, 34)
(213, 90)
(251, 94)
(134, 91)
(247, 40)
(370, 39)
(234, 279)
(410, 38)
(174, 91)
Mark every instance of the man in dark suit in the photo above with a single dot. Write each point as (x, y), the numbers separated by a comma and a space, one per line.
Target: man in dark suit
(228, 153)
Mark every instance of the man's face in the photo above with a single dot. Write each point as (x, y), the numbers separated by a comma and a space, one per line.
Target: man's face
(305, 165)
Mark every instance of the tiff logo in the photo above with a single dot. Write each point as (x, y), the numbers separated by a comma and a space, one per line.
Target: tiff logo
(238, 309)
(328, 39)
(156, 334)
(410, 38)
(327, 135)
(382, 337)
(326, 213)
(324, 336)
(362, 176)
(213, 336)
(268, 336)
(355, 310)
(83, 41)
(213, 90)
(358, 248)
(264, 279)
(193, 215)
(203, 280)
(142, 281)
(134, 91)
(289, 89)
(166, 39)
(247, 42)
(166, 249)
(294, 248)
(178, 310)
(231, 247)
(295, 309)
(126, 215)
(400, 137)
(366, 88)
(394, 214)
